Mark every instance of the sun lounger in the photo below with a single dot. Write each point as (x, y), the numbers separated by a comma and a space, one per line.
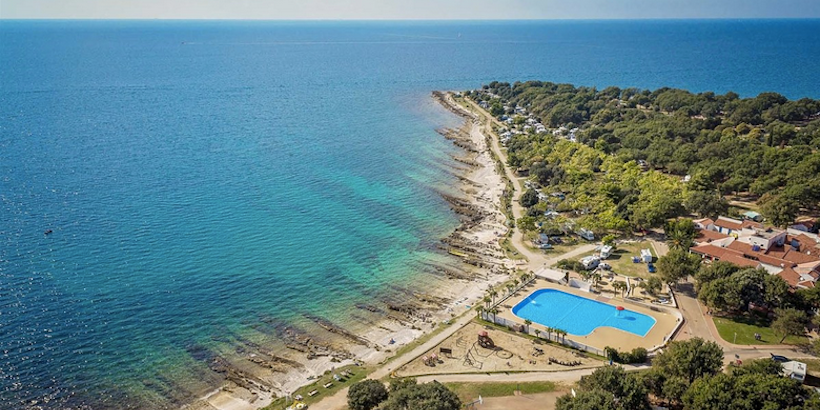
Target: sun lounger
(328, 384)
(313, 393)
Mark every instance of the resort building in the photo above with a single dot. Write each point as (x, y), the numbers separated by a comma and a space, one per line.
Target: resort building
(792, 254)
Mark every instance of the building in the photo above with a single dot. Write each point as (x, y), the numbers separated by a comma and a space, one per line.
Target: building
(793, 255)
(731, 225)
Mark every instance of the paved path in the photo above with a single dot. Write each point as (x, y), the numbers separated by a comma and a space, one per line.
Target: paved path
(556, 376)
(536, 258)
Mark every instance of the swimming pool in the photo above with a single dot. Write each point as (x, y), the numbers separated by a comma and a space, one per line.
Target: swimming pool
(577, 315)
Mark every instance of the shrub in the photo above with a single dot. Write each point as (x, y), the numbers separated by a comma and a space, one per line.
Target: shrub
(366, 395)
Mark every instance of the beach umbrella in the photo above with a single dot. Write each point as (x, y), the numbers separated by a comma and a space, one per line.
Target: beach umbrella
(482, 333)
(619, 309)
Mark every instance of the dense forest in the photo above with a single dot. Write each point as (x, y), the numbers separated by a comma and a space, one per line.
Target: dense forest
(633, 158)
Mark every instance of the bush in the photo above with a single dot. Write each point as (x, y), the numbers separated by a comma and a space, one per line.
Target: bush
(529, 198)
(366, 395)
(637, 355)
(569, 264)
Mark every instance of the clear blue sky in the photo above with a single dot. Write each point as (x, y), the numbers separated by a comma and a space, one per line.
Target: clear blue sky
(407, 9)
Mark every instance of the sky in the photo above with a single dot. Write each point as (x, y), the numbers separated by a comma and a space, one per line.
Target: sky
(406, 9)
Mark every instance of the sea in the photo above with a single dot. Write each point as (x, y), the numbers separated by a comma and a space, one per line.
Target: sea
(202, 180)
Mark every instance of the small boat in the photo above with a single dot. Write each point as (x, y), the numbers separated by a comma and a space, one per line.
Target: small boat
(48, 232)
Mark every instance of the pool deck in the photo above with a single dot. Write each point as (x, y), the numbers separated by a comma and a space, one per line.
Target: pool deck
(666, 319)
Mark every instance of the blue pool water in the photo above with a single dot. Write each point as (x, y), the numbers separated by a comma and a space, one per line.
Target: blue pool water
(577, 315)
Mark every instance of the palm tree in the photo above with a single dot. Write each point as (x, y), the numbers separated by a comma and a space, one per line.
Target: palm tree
(493, 293)
(479, 310)
(487, 301)
(679, 238)
(620, 286)
(537, 333)
(494, 311)
(561, 333)
(528, 323)
(509, 288)
(596, 277)
(515, 283)
(549, 332)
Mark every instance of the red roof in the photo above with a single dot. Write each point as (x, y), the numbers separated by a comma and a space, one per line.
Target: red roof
(705, 222)
(790, 276)
(711, 250)
(706, 236)
(748, 223)
(739, 260)
(741, 247)
(728, 223)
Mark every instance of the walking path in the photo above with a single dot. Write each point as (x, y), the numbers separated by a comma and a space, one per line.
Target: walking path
(697, 324)
(557, 376)
(536, 258)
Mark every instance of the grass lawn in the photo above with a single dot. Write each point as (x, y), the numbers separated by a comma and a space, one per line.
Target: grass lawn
(359, 373)
(621, 259)
(746, 327)
(468, 392)
(812, 365)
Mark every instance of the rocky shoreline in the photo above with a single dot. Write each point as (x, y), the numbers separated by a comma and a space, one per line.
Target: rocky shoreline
(258, 374)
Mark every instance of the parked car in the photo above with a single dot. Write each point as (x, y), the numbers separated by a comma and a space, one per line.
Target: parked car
(604, 266)
(651, 268)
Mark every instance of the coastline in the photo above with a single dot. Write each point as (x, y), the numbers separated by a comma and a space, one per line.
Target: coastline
(475, 241)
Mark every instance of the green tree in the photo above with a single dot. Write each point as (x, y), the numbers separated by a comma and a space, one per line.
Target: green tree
(674, 388)
(653, 285)
(620, 286)
(680, 233)
(758, 366)
(529, 198)
(775, 291)
(628, 391)
(750, 391)
(587, 400)
(676, 265)
(366, 395)
(609, 240)
(402, 383)
(789, 322)
(779, 209)
(705, 204)
(690, 359)
(427, 396)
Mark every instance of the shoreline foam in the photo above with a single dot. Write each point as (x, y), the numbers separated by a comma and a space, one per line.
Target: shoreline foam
(477, 236)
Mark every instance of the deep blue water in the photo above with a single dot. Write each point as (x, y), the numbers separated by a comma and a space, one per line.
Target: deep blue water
(579, 316)
(203, 177)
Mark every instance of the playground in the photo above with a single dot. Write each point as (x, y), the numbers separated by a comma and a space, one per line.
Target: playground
(479, 349)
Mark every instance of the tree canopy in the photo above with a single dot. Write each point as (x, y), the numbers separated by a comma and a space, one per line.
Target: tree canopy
(366, 395)
(427, 396)
(620, 153)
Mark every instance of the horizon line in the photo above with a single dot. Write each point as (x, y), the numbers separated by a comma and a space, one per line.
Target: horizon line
(408, 19)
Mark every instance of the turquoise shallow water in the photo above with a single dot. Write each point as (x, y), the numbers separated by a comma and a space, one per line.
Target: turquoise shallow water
(207, 182)
(579, 316)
